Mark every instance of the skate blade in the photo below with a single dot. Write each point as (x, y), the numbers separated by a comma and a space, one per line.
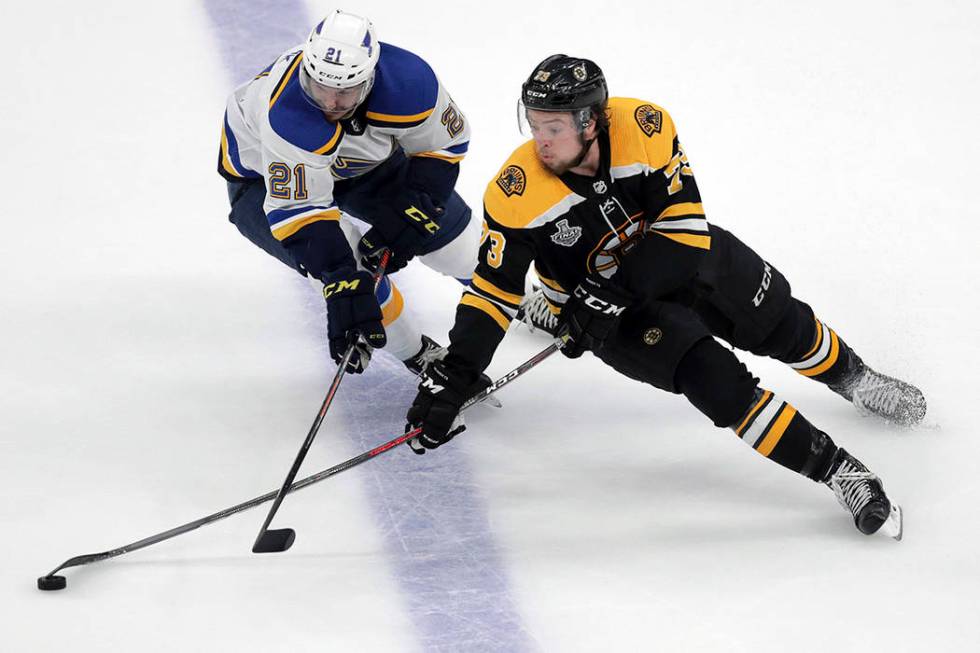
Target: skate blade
(894, 526)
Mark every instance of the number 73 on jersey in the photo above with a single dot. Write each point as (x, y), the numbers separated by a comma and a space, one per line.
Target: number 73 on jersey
(497, 242)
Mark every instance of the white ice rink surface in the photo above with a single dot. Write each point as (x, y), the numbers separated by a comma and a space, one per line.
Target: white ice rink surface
(155, 367)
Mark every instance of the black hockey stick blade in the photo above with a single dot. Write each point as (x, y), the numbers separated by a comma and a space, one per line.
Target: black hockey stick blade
(275, 540)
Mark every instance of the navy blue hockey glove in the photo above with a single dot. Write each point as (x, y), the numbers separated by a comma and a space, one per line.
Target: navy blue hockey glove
(591, 314)
(404, 229)
(442, 391)
(353, 312)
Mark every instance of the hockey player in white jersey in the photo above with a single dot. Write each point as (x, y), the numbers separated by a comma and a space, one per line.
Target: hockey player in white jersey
(348, 124)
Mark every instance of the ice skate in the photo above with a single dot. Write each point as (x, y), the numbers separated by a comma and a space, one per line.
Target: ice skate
(860, 492)
(536, 314)
(878, 394)
(430, 351)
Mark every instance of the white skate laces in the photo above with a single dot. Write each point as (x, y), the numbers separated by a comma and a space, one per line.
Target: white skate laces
(860, 492)
(428, 354)
(887, 397)
(536, 314)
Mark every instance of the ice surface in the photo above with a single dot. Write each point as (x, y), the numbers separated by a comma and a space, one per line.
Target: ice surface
(156, 367)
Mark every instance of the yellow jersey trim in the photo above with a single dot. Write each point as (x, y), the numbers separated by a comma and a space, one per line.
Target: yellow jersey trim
(390, 117)
(432, 155)
(684, 208)
(285, 80)
(225, 159)
(487, 307)
(284, 232)
(491, 289)
(332, 143)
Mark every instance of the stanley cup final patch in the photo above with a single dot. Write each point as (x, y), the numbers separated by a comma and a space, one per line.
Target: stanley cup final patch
(649, 119)
(566, 236)
(512, 181)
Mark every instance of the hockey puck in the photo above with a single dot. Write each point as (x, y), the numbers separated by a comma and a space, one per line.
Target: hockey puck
(48, 583)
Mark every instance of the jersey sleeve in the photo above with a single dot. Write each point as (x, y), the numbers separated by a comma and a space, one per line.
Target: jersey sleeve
(678, 235)
(491, 302)
(301, 209)
(672, 199)
(444, 134)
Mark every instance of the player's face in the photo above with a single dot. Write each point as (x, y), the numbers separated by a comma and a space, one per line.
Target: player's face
(335, 103)
(557, 141)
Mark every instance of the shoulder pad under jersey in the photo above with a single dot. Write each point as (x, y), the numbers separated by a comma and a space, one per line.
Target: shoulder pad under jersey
(405, 89)
(525, 194)
(641, 136)
(297, 121)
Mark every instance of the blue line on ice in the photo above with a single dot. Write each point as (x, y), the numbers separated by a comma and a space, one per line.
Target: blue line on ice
(431, 514)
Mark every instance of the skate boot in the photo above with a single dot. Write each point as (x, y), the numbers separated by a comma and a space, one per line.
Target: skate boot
(887, 397)
(431, 351)
(861, 492)
(535, 313)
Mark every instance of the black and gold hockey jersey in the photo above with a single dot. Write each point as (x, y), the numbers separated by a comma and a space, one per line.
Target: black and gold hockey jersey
(571, 226)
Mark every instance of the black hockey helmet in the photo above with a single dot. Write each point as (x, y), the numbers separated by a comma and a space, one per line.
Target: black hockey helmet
(563, 83)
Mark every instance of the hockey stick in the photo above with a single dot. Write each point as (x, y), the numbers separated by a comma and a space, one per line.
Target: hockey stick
(276, 540)
(52, 582)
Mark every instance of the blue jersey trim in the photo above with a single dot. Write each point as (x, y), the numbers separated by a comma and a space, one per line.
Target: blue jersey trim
(300, 123)
(404, 84)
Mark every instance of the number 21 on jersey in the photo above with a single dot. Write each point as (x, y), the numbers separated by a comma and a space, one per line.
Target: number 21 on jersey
(281, 180)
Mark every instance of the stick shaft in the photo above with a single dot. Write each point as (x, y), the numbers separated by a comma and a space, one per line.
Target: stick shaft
(315, 428)
(89, 558)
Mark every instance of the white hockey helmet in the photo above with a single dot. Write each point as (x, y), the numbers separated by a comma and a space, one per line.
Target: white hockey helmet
(341, 53)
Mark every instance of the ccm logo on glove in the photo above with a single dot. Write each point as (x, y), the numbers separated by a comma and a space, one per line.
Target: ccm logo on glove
(430, 385)
(340, 286)
(598, 305)
(419, 216)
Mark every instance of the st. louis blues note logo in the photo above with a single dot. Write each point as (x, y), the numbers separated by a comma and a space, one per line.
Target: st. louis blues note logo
(649, 119)
(566, 236)
(512, 181)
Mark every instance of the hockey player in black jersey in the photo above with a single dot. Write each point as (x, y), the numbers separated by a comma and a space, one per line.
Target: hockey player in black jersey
(604, 203)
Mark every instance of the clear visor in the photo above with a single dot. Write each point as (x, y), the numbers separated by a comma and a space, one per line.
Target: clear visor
(544, 125)
(334, 101)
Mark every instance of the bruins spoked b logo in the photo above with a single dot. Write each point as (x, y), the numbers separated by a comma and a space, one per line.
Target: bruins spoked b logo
(649, 119)
(512, 181)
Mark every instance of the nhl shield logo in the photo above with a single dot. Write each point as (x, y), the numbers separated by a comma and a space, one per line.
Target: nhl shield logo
(566, 236)
(599, 187)
(512, 181)
(649, 119)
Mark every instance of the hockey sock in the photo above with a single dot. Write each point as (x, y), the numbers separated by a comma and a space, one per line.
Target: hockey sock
(828, 359)
(776, 430)
(808, 345)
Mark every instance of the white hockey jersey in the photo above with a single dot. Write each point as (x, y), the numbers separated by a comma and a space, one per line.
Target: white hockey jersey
(270, 130)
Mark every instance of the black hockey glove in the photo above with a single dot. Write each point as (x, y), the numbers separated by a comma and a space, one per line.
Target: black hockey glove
(442, 392)
(353, 311)
(591, 314)
(404, 228)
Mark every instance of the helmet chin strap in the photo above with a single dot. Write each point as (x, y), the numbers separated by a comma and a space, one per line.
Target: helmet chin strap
(586, 146)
